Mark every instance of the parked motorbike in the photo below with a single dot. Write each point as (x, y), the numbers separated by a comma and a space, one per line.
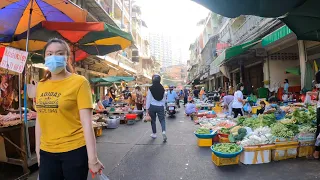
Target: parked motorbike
(171, 109)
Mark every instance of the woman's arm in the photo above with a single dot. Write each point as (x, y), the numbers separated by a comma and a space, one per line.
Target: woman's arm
(86, 120)
(38, 135)
(148, 100)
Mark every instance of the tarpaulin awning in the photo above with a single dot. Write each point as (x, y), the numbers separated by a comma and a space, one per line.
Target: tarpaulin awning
(301, 16)
(112, 79)
(276, 35)
(304, 21)
(263, 8)
(233, 51)
(293, 70)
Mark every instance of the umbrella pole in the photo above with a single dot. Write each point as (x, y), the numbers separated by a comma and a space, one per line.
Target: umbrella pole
(25, 87)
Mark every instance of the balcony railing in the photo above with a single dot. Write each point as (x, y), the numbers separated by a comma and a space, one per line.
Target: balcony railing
(250, 28)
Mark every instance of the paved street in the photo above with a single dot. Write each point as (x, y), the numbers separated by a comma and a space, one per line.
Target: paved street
(129, 153)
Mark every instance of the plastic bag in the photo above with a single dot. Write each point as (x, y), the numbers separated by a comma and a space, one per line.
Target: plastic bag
(147, 118)
(247, 108)
(103, 177)
(307, 99)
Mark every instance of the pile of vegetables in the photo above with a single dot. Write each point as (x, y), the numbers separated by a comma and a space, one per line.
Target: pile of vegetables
(281, 130)
(304, 117)
(259, 136)
(229, 148)
(224, 131)
(202, 130)
(261, 121)
(307, 129)
(237, 133)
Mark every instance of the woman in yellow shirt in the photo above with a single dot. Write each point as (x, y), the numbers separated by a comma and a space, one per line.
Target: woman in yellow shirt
(65, 141)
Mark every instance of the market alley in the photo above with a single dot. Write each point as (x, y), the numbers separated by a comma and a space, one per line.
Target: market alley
(129, 153)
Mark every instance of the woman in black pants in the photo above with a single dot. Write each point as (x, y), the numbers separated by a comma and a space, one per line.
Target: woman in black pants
(238, 101)
(317, 144)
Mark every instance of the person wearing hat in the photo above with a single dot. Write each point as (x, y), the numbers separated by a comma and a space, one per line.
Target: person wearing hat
(155, 105)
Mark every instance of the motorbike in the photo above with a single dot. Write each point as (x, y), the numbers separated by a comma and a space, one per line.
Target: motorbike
(171, 109)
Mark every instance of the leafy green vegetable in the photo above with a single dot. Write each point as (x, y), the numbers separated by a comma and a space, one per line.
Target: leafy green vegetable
(203, 131)
(225, 131)
(242, 131)
(280, 130)
(303, 117)
(261, 121)
(227, 148)
(241, 120)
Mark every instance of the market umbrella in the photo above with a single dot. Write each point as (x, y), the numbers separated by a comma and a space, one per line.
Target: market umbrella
(15, 15)
(93, 38)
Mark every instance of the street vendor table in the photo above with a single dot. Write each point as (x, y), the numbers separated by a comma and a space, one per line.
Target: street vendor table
(15, 142)
(22, 160)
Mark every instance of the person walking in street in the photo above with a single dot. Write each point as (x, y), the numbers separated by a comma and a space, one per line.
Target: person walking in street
(196, 92)
(238, 101)
(65, 141)
(186, 95)
(155, 106)
(286, 86)
(202, 94)
(139, 99)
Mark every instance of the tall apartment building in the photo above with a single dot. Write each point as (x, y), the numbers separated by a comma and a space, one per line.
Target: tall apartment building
(161, 48)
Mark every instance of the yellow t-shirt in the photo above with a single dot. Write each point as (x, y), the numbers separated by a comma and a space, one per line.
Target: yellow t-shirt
(58, 104)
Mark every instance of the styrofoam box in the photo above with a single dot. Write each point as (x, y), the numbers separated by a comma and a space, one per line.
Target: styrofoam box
(248, 157)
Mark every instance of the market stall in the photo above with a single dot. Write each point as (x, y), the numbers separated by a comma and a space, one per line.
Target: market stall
(278, 134)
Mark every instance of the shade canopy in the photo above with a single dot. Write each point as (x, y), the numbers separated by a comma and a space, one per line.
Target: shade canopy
(293, 70)
(233, 51)
(14, 15)
(93, 38)
(112, 79)
(301, 16)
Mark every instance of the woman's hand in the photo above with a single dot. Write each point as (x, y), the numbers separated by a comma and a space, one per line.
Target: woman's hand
(96, 167)
(38, 159)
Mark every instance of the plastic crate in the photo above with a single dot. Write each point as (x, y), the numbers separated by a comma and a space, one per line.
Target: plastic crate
(304, 151)
(287, 150)
(224, 161)
(204, 142)
(223, 139)
(131, 122)
(256, 154)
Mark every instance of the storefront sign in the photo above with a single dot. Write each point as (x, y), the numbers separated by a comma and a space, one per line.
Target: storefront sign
(14, 60)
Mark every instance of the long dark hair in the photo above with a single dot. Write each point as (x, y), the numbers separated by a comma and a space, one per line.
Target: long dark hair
(70, 69)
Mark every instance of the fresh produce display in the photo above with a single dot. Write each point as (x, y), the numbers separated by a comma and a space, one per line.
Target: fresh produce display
(261, 121)
(260, 136)
(280, 130)
(305, 117)
(225, 131)
(288, 121)
(307, 129)
(234, 130)
(239, 136)
(203, 131)
(226, 124)
(227, 148)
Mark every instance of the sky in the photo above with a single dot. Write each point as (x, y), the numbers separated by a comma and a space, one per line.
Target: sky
(177, 18)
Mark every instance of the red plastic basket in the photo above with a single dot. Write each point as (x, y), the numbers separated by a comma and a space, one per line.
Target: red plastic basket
(131, 116)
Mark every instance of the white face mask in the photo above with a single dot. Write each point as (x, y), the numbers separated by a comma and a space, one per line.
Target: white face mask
(242, 88)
